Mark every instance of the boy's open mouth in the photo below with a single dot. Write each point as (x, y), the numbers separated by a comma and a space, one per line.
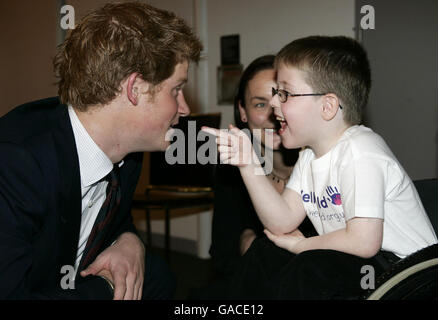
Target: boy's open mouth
(283, 125)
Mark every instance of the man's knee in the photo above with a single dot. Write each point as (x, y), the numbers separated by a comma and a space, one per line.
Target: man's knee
(160, 281)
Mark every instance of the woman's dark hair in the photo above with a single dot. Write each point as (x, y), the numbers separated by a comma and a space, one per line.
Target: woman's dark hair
(259, 64)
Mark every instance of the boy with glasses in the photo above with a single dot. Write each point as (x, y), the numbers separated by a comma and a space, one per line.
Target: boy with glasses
(347, 181)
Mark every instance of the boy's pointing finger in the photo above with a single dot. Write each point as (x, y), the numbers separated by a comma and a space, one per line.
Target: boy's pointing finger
(222, 136)
(213, 131)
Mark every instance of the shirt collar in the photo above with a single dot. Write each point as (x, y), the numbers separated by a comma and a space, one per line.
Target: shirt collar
(94, 164)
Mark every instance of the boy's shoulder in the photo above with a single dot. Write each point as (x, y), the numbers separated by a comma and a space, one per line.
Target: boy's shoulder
(360, 141)
(356, 141)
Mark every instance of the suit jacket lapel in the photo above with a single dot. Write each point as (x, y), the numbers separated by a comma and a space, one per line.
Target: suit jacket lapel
(70, 199)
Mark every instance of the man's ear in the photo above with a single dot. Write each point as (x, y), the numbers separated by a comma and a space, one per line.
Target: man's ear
(132, 87)
(242, 112)
(330, 106)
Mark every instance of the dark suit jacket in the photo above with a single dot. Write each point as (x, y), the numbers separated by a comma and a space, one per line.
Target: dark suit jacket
(40, 204)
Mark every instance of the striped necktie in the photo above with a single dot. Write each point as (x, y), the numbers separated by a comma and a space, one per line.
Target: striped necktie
(103, 219)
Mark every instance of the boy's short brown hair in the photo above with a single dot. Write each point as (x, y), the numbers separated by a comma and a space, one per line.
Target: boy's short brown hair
(116, 40)
(336, 65)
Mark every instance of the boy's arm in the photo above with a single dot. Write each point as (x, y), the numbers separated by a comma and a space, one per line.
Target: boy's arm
(362, 237)
(278, 213)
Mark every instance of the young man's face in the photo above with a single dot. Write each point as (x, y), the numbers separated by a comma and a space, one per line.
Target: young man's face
(156, 115)
(299, 113)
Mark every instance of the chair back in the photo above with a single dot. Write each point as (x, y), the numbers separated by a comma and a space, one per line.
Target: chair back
(428, 192)
(190, 173)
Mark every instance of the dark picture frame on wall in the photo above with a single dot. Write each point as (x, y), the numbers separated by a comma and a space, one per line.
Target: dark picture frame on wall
(230, 70)
(227, 81)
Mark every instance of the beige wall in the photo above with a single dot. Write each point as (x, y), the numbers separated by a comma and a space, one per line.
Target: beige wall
(403, 104)
(28, 43)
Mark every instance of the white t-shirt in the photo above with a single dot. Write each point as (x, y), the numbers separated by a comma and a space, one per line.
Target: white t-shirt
(360, 177)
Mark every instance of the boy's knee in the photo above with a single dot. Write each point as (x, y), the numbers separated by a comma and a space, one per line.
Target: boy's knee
(320, 274)
(310, 259)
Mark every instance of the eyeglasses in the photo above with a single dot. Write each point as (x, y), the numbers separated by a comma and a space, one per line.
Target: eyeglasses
(283, 94)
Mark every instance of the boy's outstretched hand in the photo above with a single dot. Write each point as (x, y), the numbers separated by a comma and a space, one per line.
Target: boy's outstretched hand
(286, 241)
(234, 146)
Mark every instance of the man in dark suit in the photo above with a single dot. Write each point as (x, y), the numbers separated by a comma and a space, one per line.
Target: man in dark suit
(69, 165)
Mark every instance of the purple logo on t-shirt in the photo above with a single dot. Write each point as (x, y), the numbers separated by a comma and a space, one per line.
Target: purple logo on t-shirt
(334, 194)
(322, 201)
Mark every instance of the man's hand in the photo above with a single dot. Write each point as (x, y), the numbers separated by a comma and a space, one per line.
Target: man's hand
(286, 241)
(123, 265)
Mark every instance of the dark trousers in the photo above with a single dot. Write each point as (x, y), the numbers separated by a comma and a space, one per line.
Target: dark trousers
(159, 282)
(269, 272)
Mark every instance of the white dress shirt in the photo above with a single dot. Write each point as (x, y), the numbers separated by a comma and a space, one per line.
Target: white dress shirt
(94, 165)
